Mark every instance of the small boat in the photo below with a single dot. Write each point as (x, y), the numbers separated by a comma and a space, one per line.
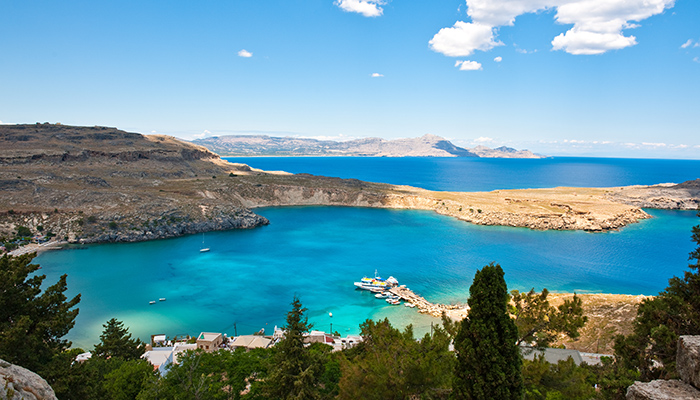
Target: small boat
(152, 302)
(409, 305)
(381, 295)
(161, 299)
(393, 301)
(203, 249)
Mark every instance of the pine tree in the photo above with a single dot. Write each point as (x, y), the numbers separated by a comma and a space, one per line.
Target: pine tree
(294, 372)
(32, 323)
(488, 360)
(116, 341)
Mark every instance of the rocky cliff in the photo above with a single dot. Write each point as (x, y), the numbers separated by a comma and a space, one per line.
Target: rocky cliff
(96, 184)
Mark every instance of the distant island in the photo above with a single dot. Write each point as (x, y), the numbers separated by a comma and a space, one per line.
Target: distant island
(425, 146)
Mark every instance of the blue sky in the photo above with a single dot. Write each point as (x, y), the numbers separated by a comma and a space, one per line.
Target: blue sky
(560, 77)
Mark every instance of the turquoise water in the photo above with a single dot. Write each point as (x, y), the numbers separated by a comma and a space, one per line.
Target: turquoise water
(250, 276)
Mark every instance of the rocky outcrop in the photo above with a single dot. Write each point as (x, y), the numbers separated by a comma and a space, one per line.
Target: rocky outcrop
(662, 390)
(684, 196)
(688, 359)
(17, 383)
(688, 367)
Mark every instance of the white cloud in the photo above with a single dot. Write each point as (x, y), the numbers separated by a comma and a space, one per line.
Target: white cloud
(204, 134)
(468, 65)
(498, 59)
(483, 139)
(696, 59)
(687, 44)
(245, 53)
(368, 8)
(597, 24)
(463, 39)
(653, 144)
(377, 75)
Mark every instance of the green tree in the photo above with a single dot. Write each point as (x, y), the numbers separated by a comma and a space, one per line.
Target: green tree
(488, 360)
(539, 323)
(294, 371)
(651, 348)
(391, 364)
(23, 231)
(116, 341)
(127, 380)
(32, 323)
(563, 380)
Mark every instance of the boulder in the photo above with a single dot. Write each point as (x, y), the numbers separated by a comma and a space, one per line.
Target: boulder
(662, 390)
(17, 383)
(688, 359)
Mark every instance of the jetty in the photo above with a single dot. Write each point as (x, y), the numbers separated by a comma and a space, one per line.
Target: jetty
(426, 307)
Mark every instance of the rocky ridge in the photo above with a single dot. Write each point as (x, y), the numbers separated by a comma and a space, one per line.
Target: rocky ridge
(424, 146)
(95, 184)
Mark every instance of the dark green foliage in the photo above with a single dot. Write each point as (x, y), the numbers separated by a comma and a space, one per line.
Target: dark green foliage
(390, 364)
(128, 380)
(295, 371)
(539, 323)
(116, 341)
(92, 219)
(113, 225)
(564, 380)
(32, 323)
(488, 360)
(651, 348)
(23, 231)
(612, 379)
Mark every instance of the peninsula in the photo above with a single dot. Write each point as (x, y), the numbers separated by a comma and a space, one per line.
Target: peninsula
(98, 184)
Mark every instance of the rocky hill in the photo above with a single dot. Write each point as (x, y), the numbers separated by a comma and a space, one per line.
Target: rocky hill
(97, 184)
(425, 146)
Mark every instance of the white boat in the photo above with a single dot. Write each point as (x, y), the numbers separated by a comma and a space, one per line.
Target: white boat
(203, 249)
(381, 295)
(376, 284)
(409, 305)
(393, 301)
(152, 302)
(161, 299)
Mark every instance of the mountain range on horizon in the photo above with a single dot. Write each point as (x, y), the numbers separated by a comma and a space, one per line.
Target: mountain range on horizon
(424, 146)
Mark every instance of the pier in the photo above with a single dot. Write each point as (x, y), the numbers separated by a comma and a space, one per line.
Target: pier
(426, 307)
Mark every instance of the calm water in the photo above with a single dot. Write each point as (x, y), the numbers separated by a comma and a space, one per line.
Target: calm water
(249, 278)
(476, 174)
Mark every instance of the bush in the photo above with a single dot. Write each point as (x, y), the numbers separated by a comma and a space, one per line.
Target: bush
(23, 231)
(113, 225)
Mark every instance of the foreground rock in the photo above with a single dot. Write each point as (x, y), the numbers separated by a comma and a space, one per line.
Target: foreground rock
(20, 383)
(688, 366)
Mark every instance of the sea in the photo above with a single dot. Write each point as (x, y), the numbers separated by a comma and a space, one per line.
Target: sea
(249, 278)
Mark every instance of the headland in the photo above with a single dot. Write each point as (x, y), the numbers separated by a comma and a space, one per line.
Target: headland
(99, 184)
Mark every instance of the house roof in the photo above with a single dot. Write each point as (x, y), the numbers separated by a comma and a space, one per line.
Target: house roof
(251, 342)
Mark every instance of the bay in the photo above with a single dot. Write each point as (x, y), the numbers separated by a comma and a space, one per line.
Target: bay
(248, 279)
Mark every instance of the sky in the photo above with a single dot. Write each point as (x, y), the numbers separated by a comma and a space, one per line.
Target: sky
(604, 78)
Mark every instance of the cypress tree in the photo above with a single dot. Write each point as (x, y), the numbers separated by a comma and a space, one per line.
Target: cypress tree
(116, 341)
(488, 359)
(294, 372)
